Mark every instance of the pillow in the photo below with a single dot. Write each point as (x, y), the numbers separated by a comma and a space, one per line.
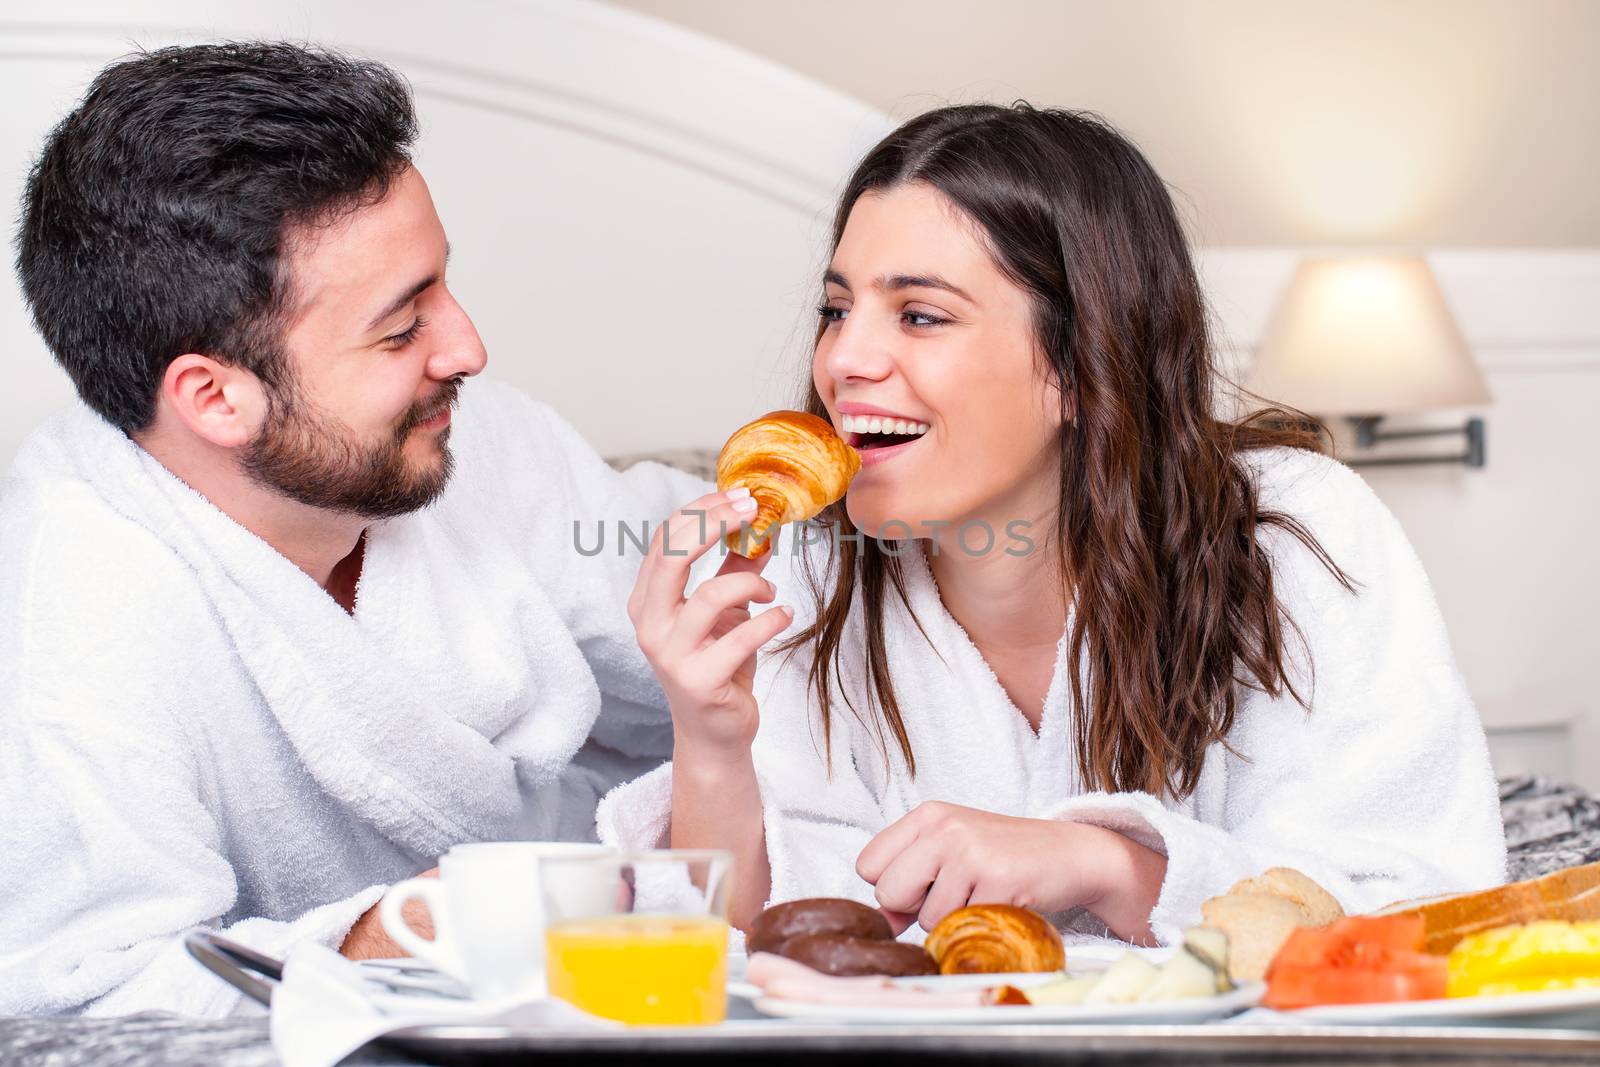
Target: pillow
(700, 462)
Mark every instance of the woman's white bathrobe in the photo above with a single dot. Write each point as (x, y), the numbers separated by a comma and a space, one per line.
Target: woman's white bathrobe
(1382, 791)
(192, 732)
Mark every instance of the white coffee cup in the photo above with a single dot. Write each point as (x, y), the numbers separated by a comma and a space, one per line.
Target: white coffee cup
(488, 915)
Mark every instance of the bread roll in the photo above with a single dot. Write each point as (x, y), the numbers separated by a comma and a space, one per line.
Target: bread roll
(1257, 925)
(1258, 914)
(1314, 901)
(995, 939)
(794, 466)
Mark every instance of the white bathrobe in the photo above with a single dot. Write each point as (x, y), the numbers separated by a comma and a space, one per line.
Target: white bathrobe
(192, 732)
(1382, 791)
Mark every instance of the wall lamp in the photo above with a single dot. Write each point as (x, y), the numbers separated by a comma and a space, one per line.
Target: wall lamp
(1367, 337)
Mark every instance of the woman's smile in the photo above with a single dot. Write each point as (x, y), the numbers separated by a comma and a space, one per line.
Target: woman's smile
(880, 451)
(879, 434)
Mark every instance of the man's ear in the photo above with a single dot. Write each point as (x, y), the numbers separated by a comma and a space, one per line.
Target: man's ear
(221, 404)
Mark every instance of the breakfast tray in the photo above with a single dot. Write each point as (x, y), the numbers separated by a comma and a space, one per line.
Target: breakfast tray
(779, 1041)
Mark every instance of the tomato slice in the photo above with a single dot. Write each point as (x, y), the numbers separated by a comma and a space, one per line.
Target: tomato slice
(1310, 945)
(1359, 960)
(1293, 987)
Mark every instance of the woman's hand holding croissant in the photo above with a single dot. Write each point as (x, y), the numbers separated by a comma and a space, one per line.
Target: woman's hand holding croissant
(702, 648)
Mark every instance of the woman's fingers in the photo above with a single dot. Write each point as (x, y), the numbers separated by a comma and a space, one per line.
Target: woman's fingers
(723, 659)
(899, 921)
(737, 564)
(893, 840)
(653, 551)
(681, 540)
(988, 890)
(703, 610)
(905, 882)
(951, 890)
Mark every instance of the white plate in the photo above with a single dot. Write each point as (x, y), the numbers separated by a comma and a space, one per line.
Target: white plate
(1197, 1009)
(1574, 1007)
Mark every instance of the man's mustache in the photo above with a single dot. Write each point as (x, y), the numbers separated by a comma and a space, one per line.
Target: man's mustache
(448, 395)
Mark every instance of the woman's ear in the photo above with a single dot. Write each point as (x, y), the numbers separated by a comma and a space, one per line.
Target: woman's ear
(1062, 401)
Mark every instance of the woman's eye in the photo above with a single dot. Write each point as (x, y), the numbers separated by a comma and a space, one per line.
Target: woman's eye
(921, 319)
(830, 314)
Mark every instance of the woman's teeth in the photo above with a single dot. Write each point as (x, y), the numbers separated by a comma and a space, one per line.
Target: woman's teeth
(877, 424)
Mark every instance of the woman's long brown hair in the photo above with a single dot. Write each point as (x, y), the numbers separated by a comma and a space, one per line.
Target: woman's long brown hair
(1174, 608)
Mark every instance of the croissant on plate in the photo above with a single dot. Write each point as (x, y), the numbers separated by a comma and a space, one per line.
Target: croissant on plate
(995, 939)
(794, 466)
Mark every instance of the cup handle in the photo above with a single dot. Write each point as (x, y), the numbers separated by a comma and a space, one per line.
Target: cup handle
(442, 951)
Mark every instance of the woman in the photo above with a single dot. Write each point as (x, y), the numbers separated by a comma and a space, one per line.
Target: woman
(1186, 649)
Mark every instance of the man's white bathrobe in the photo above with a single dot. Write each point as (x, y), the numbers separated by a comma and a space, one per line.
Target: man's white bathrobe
(1382, 791)
(192, 732)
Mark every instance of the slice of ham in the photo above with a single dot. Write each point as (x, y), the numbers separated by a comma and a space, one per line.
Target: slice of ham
(784, 979)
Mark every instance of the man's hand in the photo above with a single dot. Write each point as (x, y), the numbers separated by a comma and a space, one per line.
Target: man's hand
(368, 940)
(941, 857)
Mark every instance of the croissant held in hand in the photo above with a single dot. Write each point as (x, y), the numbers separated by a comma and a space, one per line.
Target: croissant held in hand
(794, 466)
(995, 939)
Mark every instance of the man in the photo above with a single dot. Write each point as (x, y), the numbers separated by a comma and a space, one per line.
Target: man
(262, 653)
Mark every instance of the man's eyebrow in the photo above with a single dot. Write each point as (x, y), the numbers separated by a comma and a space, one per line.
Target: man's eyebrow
(402, 300)
(409, 295)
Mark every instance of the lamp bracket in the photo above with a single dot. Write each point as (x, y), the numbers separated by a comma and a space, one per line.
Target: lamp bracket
(1368, 435)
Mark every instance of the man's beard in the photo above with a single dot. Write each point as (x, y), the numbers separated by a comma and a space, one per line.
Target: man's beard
(309, 456)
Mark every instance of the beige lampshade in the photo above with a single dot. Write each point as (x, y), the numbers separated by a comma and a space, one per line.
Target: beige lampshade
(1365, 335)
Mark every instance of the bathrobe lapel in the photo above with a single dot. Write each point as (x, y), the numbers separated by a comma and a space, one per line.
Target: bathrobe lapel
(927, 675)
(407, 713)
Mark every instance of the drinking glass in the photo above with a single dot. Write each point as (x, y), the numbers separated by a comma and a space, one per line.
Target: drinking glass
(650, 949)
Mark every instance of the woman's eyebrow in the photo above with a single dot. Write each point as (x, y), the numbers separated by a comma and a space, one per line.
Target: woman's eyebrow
(894, 282)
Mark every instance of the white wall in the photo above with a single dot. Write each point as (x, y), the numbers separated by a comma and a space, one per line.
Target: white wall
(1448, 123)
(1511, 549)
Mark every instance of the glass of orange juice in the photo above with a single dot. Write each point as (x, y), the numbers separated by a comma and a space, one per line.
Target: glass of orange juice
(640, 937)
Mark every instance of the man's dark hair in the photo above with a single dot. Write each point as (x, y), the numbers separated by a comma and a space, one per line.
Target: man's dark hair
(156, 221)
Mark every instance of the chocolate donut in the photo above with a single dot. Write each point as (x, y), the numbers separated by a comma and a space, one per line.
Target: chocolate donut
(819, 915)
(844, 955)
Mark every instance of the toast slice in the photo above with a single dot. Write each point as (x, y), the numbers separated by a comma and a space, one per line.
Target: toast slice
(1571, 895)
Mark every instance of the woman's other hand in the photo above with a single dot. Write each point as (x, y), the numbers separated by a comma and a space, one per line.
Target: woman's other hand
(941, 857)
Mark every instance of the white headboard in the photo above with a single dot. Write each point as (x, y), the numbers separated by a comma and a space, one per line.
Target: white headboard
(637, 212)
